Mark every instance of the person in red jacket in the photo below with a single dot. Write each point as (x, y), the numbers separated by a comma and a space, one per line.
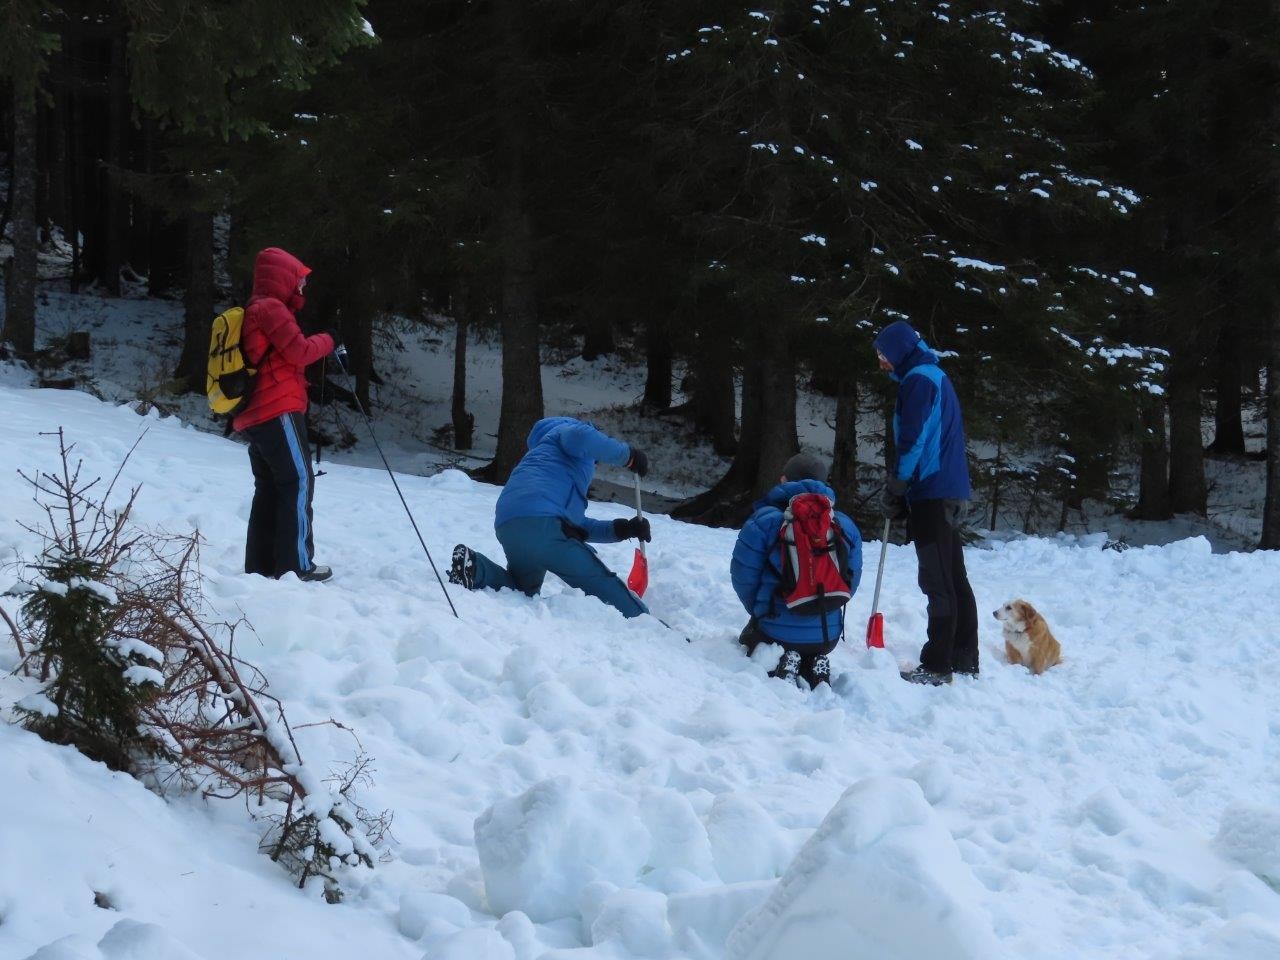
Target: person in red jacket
(274, 419)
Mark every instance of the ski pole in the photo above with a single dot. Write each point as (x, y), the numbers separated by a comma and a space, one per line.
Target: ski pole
(340, 354)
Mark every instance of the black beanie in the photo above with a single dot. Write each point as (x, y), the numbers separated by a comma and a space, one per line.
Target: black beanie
(805, 466)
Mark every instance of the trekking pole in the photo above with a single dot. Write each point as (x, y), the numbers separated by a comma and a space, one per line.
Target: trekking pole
(340, 354)
(875, 626)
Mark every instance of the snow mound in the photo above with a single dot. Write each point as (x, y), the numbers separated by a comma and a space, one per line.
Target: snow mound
(1250, 836)
(540, 849)
(881, 877)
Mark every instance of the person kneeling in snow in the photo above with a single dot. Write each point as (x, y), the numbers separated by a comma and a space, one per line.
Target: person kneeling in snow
(796, 598)
(541, 518)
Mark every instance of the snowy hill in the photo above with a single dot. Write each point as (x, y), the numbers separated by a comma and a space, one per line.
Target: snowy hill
(567, 784)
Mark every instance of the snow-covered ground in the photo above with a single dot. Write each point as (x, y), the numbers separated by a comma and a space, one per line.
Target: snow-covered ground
(568, 785)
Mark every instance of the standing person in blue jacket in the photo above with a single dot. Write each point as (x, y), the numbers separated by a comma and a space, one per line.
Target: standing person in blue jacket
(541, 518)
(929, 488)
(756, 573)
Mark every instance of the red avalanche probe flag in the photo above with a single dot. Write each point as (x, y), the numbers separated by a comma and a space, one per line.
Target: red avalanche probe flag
(875, 625)
(638, 578)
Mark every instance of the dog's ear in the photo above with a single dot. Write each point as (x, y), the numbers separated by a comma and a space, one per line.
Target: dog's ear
(1028, 613)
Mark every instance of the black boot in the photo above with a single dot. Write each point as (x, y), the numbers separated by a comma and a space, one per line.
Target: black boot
(463, 569)
(928, 677)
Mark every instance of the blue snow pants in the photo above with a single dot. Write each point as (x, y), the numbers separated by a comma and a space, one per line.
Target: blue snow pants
(537, 545)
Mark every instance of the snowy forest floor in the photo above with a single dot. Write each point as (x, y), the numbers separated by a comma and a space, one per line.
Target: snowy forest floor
(568, 785)
(136, 341)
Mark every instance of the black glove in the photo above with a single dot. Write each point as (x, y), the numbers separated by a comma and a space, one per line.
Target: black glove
(639, 462)
(894, 499)
(633, 528)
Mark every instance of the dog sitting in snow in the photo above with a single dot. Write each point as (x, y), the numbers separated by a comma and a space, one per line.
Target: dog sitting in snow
(1027, 639)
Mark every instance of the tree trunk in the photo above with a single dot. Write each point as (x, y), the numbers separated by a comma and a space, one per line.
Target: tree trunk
(1271, 508)
(658, 361)
(599, 340)
(1228, 435)
(198, 304)
(728, 503)
(713, 397)
(117, 209)
(778, 439)
(20, 282)
(1153, 489)
(1188, 492)
(463, 422)
(521, 354)
(844, 452)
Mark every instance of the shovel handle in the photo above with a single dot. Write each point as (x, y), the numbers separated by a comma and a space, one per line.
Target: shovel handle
(884, 549)
(639, 510)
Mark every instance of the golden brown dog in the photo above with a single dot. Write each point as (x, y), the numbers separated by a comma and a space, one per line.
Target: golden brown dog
(1027, 639)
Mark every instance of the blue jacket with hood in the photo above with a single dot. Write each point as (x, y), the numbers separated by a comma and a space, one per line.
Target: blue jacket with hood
(551, 480)
(756, 568)
(928, 430)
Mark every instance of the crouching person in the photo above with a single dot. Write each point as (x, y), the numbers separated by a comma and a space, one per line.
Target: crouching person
(796, 564)
(541, 518)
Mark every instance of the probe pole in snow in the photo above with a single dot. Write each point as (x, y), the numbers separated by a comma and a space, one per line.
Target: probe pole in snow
(340, 354)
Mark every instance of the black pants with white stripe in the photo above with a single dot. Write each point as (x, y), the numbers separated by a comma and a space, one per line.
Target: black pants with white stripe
(279, 537)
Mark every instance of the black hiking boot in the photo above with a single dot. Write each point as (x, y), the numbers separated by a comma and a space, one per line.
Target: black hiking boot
(819, 672)
(788, 668)
(927, 677)
(463, 569)
(317, 574)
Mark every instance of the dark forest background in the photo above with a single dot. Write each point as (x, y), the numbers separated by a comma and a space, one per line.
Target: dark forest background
(1080, 200)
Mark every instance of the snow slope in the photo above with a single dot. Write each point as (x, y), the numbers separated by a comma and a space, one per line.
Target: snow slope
(568, 784)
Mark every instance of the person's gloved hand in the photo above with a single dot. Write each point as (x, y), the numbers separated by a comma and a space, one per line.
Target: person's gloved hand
(333, 335)
(639, 462)
(894, 499)
(633, 528)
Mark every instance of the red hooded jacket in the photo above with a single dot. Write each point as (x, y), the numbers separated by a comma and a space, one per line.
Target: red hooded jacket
(274, 343)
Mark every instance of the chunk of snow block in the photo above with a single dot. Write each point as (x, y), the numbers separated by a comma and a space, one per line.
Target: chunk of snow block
(421, 909)
(131, 940)
(637, 919)
(478, 943)
(538, 850)
(746, 843)
(702, 919)
(1250, 835)
(678, 840)
(881, 877)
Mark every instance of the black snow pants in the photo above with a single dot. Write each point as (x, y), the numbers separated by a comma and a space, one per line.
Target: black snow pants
(953, 613)
(279, 537)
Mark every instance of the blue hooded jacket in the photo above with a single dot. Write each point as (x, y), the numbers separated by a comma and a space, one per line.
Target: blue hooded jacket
(551, 480)
(756, 567)
(928, 430)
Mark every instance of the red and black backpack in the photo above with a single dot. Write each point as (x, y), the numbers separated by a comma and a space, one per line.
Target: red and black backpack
(814, 557)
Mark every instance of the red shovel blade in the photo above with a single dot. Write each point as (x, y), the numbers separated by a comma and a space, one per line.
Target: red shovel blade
(875, 631)
(638, 578)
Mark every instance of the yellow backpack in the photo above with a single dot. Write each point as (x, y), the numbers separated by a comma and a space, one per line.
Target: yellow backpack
(230, 380)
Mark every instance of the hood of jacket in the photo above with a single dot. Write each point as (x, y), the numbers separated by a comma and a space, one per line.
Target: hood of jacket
(903, 347)
(544, 428)
(276, 274)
